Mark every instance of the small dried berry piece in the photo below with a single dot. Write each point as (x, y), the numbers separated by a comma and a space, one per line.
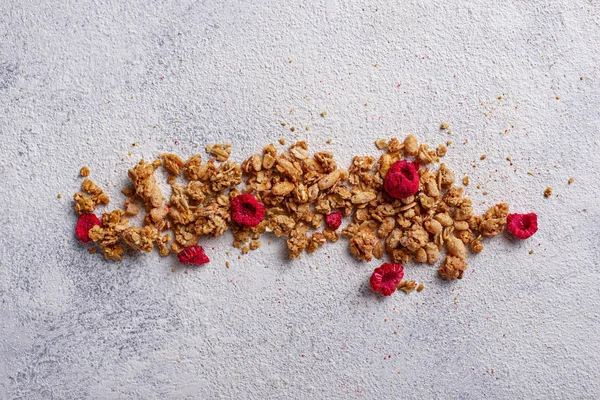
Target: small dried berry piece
(84, 224)
(334, 220)
(193, 255)
(402, 180)
(385, 278)
(522, 225)
(246, 210)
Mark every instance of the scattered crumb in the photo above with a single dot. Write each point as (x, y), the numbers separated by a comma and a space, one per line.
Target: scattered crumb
(133, 144)
(92, 250)
(531, 251)
(485, 193)
(449, 142)
(245, 249)
(324, 113)
(307, 128)
(420, 287)
(444, 125)
(395, 333)
(60, 195)
(500, 97)
(581, 78)
(283, 123)
(483, 157)
(530, 173)
(548, 192)
(329, 141)
(85, 171)
(227, 264)
(293, 128)
(239, 257)
(173, 269)
(571, 180)
(227, 253)
(508, 158)
(557, 98)
(282, 141)
(478, 186)
(466, 181)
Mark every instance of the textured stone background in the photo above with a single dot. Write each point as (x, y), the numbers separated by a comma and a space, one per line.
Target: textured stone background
(80, 81)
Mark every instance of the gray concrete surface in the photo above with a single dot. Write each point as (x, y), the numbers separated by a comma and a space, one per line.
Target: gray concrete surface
(80, 81)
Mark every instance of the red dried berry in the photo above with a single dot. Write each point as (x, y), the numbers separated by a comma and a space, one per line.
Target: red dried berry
(84, 224)
(246, 210)
(193, 255)
(385, 278)
(402, 179)
(334, 220)
(522, 225)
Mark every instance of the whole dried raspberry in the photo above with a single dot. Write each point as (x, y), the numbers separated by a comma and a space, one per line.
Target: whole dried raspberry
(522, 225)
(334, 220)
(193, 255)
(84, 224)
(245, 210)
(385, 278)
(402, 179)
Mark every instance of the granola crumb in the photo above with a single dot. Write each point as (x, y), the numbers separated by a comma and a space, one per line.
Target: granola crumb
(293, 129)
(59, 196)
(173, 269)
(531, 251)
(92, 250)
(329, 141)
(483, 157)
(571, 180)
(420, 287)
(444, 126)
(282, 141)
(227, 264)
(548, 192)
(508, 158)
(85, 171)
(407, 286)
(307, 128)
(530, 173)
(465, 180)
(449, 143)
(283, 123)
(323, 114)
(245, 249)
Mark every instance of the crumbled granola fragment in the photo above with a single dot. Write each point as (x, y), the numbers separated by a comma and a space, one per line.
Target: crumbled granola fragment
(144, 181)
(85, 171)
(172, 162)
(141, 239)
(83, 204)
(91, 188)
(407, 286)
(494, 220)
(452, 268)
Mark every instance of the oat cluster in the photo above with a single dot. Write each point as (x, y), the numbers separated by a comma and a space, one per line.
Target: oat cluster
(299, 190)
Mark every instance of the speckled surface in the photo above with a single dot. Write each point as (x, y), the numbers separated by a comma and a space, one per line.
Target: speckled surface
(80, 81)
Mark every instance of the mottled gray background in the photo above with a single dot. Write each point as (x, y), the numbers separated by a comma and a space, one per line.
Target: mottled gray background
(80, 81)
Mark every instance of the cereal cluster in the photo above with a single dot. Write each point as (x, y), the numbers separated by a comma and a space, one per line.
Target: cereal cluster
(403, 205)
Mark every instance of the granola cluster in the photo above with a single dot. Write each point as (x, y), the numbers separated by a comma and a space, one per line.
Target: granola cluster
(299, 191)
(419, 227)
(304, 196)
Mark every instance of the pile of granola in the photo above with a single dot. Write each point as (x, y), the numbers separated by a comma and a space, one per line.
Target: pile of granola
(300, 191)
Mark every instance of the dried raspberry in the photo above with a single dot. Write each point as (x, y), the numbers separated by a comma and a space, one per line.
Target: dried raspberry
(522, 225)
(84, 224)
(245, 210)
(385, 278)
(334, 220)
(193, 255)
(402, 179)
